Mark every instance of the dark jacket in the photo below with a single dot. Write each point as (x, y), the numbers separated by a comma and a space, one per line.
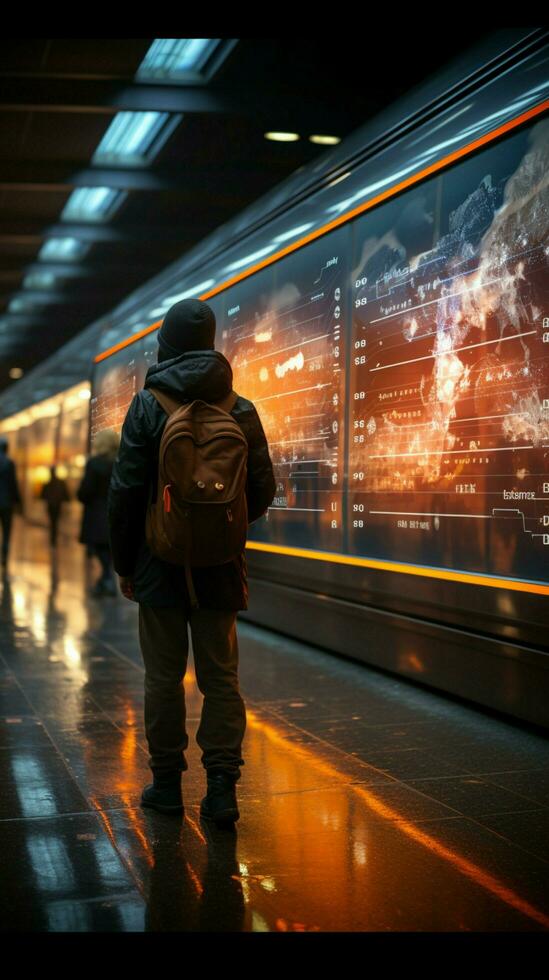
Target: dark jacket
(203, 374)
(93, 493)
(9, 489)
(55, 493)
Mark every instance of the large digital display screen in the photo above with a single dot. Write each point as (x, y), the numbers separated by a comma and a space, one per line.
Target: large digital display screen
(400, 366)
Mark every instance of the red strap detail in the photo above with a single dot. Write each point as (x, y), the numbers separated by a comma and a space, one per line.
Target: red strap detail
(167, 498)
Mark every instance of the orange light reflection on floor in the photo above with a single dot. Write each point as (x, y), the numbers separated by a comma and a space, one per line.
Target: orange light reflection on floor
(195, 879)
(477, 875)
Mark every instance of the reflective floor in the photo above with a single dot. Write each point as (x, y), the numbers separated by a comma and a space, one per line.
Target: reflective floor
(366, 804)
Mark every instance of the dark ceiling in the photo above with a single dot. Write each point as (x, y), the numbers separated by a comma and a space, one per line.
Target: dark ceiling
(57, 99)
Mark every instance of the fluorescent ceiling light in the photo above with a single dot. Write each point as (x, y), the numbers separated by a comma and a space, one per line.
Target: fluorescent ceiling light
(177, 58)
(282, 137)
(135, 137)
(249, 258)
(293, 232)
(21, 304)
(39, 280)
(194, 291)
(338, 179)
(325, 140)
(92, 204)
(63, 248)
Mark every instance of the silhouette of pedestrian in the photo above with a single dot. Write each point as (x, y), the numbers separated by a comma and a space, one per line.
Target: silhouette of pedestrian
(10, 498)
(93, 493)
(55, 494)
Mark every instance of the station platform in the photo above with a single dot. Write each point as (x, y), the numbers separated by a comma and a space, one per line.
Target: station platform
(368, 804)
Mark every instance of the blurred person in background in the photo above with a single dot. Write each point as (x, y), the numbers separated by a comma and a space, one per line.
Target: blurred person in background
(55, 494)
(93, 493)
(10, 498)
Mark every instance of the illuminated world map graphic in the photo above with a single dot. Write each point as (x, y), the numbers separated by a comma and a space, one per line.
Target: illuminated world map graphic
(400, 366)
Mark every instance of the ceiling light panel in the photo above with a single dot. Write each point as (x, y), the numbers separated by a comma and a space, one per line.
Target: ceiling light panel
(64, 249)
(172, 57)
(92, 204)
(39, 280)
(134, 138)
(22, 304)
(325, 140)
(282, 137)
(184, 59)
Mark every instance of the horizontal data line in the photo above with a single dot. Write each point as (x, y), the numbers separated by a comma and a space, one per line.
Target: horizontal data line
(297, 508)
(451, 452)
(453, 350)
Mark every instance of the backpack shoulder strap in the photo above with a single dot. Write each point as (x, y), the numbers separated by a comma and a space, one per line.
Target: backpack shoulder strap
(228, 402)
(169, 404)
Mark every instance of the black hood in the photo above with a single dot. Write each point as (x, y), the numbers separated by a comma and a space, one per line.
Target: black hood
(203, 374)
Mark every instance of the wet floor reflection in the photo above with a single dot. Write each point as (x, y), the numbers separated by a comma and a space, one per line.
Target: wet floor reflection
(330, 838)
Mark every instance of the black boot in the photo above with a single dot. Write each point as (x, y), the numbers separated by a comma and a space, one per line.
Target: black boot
(220, 803)
(165, 793)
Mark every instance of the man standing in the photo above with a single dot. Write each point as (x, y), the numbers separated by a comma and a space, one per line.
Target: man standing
(188, 368)
(9, 498)
(55, 494)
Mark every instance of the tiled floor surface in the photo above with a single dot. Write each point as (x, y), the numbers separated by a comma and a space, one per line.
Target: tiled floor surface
(367, 804)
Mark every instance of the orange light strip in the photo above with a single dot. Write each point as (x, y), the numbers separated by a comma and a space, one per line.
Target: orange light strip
(395, 566)
(372, 202)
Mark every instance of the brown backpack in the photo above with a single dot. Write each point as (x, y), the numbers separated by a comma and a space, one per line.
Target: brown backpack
(200, 515)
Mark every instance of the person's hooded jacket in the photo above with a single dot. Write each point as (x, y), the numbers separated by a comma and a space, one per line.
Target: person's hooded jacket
(10, 495)
(203, 374)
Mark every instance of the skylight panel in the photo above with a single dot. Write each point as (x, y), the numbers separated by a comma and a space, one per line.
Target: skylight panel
(21, 304)
(39, 280)
(134, 137)
(92, 204)
(67, 249)
(183, 59)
